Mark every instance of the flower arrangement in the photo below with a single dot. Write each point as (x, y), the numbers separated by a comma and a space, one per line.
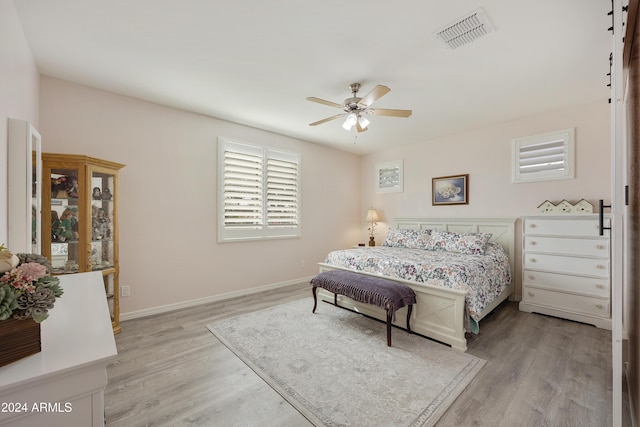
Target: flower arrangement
(26, 289)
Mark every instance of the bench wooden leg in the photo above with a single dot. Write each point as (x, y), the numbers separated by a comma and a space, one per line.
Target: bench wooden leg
(315, 299)
(388, 328)
(409, 309)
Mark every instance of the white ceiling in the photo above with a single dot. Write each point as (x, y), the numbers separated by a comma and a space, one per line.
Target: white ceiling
(254, 61)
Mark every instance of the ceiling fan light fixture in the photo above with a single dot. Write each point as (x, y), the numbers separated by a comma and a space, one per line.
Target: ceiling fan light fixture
(363, 121)
(354, 109)
(350, 121)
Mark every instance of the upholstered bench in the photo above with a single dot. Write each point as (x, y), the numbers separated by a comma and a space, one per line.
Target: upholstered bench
(384, 293)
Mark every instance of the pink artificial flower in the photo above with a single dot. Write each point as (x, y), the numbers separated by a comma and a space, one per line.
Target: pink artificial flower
(34, 270)
(18, 280)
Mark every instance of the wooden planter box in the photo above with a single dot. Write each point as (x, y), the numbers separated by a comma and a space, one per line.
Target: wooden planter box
(19, 338)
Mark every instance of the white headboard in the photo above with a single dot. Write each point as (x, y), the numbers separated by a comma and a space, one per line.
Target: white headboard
(502, 229)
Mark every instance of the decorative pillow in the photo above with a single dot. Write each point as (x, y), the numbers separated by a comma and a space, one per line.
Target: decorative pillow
(464, 243)
(407, 238)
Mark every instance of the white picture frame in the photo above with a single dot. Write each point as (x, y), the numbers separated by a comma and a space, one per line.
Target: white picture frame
(389, 177)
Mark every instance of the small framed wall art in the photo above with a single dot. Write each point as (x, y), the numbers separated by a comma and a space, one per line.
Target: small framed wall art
(450, 190)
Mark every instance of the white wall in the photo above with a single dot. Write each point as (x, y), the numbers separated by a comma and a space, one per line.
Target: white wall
(19, 83)
(168, 247)
(485, 154)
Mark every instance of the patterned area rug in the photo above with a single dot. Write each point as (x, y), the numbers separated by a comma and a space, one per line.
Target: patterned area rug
(334, 366)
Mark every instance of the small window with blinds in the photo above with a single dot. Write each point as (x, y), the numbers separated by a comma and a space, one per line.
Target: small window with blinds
(258, 192)
(545, 157)
(389, 177)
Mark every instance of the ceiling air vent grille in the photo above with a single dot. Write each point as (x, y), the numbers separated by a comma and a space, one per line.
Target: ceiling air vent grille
(465, 30)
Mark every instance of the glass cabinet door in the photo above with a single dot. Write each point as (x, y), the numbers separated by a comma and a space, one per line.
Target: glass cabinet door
(65, 220)
(102, 212)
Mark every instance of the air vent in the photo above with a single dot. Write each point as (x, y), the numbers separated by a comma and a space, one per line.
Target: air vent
(465, 30)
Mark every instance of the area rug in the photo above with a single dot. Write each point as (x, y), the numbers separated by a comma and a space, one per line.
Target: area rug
(335, 368)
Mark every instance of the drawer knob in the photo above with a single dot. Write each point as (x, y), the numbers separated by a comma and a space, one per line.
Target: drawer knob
(600, 286)
(533, 260)
(532, 277)
(532, 226)
(533, 243)
(600, 266)
(531, 294)
(600, 247)
(600, 306)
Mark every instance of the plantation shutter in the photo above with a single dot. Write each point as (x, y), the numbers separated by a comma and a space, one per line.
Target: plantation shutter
(259, 192)
(389, 177)
(282, 190)
(242, 189)
(543, 157)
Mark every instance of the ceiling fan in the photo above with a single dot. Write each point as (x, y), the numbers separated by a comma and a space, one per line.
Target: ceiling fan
(355, 109)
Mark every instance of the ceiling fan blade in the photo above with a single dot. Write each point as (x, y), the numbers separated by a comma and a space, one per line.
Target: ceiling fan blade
(322, 101)
(328, 119)
(375, 94)
(388, 112)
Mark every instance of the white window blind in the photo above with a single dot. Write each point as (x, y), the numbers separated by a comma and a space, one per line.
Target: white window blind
(544, 157)
(389, 177)
(282, 191)
(259, 192)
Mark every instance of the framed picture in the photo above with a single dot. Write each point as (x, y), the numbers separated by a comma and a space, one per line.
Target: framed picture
(450, 190)
(389, 177)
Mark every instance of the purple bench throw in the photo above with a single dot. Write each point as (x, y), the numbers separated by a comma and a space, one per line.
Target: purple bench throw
(384, 293)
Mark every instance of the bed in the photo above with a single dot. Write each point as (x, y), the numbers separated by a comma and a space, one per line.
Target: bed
(455, 288)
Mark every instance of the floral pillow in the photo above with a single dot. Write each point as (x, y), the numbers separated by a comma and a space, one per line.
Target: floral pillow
(464, 243)
(407, 238)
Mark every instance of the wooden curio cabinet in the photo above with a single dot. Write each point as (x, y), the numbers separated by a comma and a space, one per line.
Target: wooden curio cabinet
(80, 219)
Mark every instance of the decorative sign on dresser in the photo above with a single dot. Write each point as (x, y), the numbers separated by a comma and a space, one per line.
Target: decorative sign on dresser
(566, 268)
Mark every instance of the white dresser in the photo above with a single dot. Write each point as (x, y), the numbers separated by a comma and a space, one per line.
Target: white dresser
(62, 386)
(566, 268)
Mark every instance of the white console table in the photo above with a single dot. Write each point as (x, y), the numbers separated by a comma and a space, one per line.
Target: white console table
(63, 385)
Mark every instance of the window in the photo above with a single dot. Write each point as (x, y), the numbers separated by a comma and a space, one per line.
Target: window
(389, 177)
(544, 157)
(258, 192)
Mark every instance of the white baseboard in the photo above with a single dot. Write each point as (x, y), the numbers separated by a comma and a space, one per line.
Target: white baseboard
(192, 303)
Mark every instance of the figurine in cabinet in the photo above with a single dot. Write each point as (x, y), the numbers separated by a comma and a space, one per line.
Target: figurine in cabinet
(72, 187)
(106, 194)
(97, 194)
(99, 223)
(59, 187)
(68, 228)
(55, 225)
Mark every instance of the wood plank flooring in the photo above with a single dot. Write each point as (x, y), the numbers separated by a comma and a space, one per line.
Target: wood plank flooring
(171, 371)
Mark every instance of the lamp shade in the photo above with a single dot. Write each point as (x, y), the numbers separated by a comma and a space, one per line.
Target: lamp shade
(372, 215)
(363, 122)
(351, 120)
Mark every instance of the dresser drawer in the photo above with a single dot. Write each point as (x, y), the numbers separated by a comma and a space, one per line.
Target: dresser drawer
(559, 227)
(567, 264)
(567, 283)
(568, 302)
(587, 247)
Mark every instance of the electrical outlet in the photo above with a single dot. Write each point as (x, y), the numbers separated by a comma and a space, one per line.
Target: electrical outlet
(125, 291)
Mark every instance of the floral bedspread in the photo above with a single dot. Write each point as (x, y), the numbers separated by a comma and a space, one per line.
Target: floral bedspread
(482, 277)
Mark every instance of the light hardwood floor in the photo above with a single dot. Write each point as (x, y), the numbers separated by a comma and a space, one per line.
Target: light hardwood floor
(171, 371)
